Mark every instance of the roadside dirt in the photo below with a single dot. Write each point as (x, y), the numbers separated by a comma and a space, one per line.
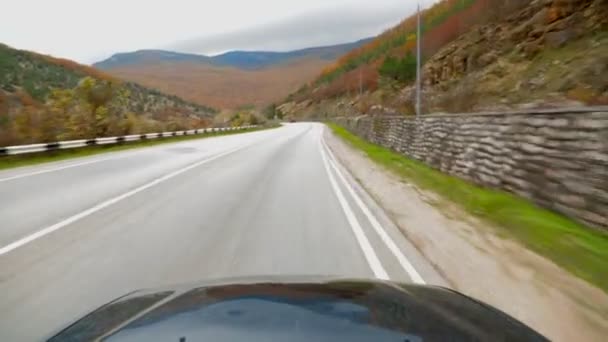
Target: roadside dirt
(476, 261)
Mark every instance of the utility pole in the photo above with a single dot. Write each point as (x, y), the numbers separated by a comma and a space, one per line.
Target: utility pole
(360, 82)
(418, 71)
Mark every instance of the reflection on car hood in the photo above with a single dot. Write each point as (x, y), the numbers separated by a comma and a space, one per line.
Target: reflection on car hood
(297, 309)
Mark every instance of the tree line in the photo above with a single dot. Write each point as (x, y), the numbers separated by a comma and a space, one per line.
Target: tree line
(94, 108)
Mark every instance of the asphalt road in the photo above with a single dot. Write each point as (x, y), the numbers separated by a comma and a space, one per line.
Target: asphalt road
(77, 234)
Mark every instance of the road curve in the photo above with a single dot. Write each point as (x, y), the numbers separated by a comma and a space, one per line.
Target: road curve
(77, 234)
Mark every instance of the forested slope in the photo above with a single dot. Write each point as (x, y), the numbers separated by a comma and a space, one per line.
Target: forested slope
(44, 98)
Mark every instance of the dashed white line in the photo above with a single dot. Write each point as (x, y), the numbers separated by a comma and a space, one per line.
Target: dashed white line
(366, 247)
(388, 241)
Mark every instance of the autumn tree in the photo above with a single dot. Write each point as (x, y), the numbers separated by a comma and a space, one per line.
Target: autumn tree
(93, 108)
(25, 124)
(58, 110)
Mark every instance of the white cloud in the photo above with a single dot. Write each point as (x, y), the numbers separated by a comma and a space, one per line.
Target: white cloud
(315, 28)
(87, 31)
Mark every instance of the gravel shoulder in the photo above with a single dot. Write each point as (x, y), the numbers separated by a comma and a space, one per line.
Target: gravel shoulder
(474, 259)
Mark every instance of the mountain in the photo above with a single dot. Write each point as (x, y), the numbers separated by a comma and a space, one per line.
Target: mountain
(262, 59)
(246, 60)
(231, 80)
(148, 57)
(478, 55)
(43, 98)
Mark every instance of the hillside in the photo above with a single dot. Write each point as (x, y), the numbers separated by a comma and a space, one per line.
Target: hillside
(224, 87)
(263, 59)
(126, 59)
(31, 84)
(230, 80)
(477, 55)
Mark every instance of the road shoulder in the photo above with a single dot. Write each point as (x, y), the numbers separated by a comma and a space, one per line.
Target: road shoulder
(474, 260)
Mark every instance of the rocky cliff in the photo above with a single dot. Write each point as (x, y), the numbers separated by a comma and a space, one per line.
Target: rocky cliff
(557, 50)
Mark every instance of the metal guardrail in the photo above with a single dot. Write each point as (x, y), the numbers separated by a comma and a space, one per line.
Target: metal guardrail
(61, 145)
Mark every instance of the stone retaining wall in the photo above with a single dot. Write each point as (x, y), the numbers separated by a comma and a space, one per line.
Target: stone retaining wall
(557, 159)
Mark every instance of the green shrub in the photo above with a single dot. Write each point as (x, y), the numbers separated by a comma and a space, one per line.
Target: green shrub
(399, 69)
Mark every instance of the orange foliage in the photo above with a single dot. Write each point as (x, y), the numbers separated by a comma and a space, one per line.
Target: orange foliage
(452, 27)
(26, 99)
(366, 77)
(223, 87)
(403, 50)
(3, 105)
(446, 24)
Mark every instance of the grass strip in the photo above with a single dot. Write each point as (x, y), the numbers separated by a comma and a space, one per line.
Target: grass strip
(581, 250)
(13, 161)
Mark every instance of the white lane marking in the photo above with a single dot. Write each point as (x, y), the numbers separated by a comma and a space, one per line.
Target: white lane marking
(100, 206)
(54, 169)
(388, 241)
(366, 247)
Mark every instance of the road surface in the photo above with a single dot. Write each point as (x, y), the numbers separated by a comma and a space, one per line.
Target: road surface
(77, 234)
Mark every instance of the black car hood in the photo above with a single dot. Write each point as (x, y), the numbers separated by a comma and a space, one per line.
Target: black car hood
(297, 309)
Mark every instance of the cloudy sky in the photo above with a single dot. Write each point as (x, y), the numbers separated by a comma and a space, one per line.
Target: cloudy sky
(89, 31)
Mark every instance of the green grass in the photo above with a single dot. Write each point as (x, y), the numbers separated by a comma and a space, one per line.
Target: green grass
(8, 162)
(581, 250)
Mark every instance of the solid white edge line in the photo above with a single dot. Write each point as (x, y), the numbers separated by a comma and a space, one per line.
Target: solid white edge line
(45, 231)
(388, 241)
(366, 247)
